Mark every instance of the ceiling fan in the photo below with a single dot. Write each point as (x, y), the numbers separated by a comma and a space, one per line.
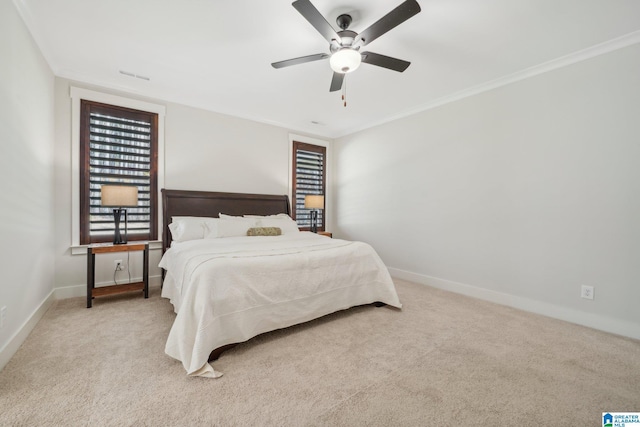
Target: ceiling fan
(345, 45)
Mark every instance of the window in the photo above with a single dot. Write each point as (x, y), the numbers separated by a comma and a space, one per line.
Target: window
(308, 177)
(117, 146)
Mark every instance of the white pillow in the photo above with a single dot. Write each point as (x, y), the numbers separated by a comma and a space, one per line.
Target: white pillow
(185, 228)
(286, 224)
(227, 228)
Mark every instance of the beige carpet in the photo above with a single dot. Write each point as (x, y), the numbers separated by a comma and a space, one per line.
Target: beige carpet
(443, 360)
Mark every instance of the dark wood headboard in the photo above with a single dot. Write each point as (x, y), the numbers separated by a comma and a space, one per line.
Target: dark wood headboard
(210, 204)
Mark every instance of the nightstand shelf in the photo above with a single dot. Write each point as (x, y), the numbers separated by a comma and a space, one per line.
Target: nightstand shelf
(103, 248)
(117, 289)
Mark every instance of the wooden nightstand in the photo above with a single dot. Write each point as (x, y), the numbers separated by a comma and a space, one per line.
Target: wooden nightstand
(104, 248)
(325, 233)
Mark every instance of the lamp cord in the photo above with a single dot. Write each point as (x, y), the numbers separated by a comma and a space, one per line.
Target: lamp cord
(115, 270)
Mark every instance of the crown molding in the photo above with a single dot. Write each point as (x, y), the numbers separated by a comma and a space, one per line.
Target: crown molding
(564, 61)
(582, 55)
(29, 22)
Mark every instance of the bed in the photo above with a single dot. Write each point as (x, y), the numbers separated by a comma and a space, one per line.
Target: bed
(227, 287)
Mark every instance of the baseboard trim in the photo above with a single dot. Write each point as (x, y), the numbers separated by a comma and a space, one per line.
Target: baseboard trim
(14, 343)
(74, 291)
(591, 320)
(595, 321)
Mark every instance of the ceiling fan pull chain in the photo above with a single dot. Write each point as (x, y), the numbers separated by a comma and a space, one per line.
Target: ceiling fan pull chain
(344, 91)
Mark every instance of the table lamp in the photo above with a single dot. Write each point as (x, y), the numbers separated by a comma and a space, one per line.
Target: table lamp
(314, 202)
(119, 197)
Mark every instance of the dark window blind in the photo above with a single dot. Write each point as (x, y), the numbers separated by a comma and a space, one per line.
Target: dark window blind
(119, 146)
(309, 177)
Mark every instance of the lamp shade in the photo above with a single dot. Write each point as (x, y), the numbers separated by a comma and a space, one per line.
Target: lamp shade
(345, 60)
(313, 202)
(119, 195)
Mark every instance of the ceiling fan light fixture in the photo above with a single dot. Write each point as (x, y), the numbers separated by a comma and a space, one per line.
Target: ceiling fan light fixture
(345, 60)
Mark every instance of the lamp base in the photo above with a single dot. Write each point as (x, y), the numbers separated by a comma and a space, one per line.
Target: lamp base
(118, 239)
(314, 221)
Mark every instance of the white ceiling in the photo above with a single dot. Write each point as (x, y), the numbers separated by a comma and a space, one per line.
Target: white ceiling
(216, 54)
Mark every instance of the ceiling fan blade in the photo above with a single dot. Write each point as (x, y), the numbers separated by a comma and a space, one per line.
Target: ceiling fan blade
(314, 17)
(336, 82)
(385, 61)
(391, 20)
(301, 60)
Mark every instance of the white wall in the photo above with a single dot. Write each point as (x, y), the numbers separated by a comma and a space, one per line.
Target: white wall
(26, 172)
(203, 151)
(215, 152)
(517, 195)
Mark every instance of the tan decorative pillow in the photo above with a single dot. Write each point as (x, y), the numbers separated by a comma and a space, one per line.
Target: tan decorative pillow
(264, 231)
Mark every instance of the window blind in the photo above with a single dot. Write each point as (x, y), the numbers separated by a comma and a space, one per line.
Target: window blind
(309, 177)
(119, 148)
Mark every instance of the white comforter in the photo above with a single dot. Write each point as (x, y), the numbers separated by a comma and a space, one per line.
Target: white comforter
(229, 290)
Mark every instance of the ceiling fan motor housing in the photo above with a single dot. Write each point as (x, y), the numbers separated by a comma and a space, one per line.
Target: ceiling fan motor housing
(347, 37)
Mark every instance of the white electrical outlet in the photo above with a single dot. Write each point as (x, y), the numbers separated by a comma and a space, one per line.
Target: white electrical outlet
(118, 265)
(587, 292)
(3, 316)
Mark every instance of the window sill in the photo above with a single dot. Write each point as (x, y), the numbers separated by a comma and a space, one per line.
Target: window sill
(82, 249)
